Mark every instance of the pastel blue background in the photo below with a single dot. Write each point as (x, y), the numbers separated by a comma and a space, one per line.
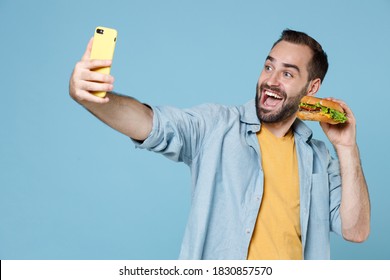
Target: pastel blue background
(72, 188)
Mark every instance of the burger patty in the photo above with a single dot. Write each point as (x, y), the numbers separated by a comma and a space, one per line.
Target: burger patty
(309, 107)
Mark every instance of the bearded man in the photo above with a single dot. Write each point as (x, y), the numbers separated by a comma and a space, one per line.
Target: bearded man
(263, 188)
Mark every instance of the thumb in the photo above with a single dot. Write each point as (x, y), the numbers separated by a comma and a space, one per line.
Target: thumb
(87, 53)
(324, 126)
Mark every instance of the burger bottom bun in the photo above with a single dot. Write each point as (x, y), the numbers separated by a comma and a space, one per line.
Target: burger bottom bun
(314, 116)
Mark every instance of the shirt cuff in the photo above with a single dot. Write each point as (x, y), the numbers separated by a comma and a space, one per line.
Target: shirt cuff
(152, 140)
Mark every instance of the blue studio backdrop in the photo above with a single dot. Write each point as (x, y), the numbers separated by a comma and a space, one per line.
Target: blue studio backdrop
(72, 188)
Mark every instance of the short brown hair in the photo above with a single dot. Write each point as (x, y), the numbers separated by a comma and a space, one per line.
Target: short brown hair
(318, 66)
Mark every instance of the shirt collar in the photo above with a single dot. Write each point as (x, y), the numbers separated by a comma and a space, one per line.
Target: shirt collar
(302, 130)
(249, 116)
(248, 113)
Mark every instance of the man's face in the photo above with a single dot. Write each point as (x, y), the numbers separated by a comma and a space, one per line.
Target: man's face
(283, 82)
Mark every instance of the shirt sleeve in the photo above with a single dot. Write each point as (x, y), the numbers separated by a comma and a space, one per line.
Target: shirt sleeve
(334, 194)
(178, 134)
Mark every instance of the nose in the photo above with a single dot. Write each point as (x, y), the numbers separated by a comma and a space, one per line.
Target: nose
(273, 79)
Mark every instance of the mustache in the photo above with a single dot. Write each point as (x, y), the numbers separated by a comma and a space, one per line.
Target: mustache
(274, 89)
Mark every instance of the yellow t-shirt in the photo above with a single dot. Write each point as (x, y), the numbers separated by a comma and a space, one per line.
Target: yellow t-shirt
(277, 233)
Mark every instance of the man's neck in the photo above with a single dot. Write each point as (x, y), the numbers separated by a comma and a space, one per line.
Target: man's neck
(280, 129)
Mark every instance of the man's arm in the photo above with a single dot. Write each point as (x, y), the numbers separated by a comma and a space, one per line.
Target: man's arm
(124, 114)
(355, 203)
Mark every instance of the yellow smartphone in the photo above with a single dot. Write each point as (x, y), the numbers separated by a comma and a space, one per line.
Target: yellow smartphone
(103, 47)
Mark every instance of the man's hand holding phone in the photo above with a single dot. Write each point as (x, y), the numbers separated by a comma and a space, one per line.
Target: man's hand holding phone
(85, 80)
(90, 79)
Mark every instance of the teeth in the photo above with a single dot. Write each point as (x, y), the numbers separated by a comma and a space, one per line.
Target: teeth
(272, 95)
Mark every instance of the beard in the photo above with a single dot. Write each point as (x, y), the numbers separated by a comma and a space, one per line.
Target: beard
(289, 107)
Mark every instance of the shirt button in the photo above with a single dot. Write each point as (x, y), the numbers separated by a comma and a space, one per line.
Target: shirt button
(247, 231)
(258, 198)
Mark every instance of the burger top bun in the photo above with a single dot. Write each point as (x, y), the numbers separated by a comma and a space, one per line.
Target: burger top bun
(324, 102)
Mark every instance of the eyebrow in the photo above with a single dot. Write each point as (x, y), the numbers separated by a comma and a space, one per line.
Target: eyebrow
(287, 65)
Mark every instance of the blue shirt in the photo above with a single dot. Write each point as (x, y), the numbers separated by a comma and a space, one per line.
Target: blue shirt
(220, 146)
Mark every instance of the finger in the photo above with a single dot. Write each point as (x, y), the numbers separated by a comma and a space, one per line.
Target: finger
(87, 53)
(96, 77)
(97, 63)
(335, 100)
(93, 64)
(341, 103)
(87, 96)
(95, 86)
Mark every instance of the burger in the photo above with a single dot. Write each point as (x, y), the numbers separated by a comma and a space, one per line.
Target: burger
(316, 109)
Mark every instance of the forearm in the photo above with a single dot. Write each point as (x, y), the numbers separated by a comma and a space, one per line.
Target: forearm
(355, 203)
(124, 114)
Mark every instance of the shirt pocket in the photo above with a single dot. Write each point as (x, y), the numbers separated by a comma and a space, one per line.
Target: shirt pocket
(320, 197)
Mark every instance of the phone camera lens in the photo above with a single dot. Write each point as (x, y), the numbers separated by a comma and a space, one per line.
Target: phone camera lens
(100, 31)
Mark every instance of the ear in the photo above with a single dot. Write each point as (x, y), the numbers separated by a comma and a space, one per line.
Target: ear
(313, 87)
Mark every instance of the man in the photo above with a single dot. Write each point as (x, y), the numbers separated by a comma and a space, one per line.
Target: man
(262, 187)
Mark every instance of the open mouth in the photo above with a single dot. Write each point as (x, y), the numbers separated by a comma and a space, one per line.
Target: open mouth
(271, 99)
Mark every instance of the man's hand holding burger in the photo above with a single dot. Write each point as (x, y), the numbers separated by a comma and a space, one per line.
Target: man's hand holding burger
(335, 117)
(355, 202)
(342, 134)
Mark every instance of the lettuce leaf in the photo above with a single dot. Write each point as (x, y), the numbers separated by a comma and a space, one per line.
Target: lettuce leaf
(338, 116)
(334, 114)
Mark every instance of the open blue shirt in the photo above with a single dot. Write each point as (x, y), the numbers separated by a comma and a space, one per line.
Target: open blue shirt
(220, 146)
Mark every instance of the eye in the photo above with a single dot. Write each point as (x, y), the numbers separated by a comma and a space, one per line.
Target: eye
(267, 68)
(287, 75)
